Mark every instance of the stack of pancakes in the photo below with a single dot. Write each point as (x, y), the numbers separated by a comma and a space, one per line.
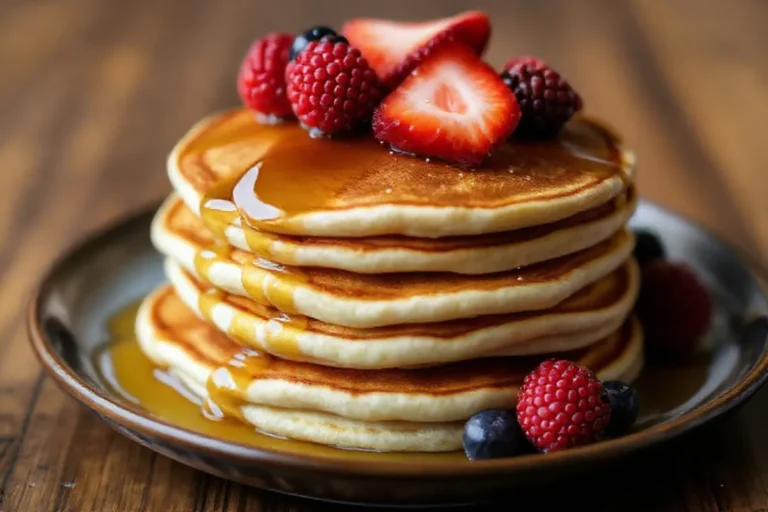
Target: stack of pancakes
(332, 291)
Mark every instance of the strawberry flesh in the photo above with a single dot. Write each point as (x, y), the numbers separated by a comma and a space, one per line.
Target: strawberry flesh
(394, 49)
(454, 107)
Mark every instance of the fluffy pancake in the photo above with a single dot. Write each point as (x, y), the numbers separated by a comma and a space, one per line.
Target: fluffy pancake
(419, 410)
(582, 319)
(482, 254)
(283, 181)
(371, 300)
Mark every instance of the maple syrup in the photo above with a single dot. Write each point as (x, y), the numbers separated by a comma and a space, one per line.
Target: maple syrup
(273, 284)
(274, 175)
(283, 248)
(279, 335)
(128, 373)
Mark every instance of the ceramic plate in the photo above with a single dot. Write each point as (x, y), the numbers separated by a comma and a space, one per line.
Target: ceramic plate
(67, 321)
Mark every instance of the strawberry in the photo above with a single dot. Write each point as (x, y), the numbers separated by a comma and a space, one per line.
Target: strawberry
(453, 107)
(394, 49)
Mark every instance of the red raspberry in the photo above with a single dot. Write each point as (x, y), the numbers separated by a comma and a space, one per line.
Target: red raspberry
(331, 87)
(561, 405)
(261, 80)
(675, 309)
(546, 100)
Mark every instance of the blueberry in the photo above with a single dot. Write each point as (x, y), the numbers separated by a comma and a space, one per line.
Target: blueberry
(492, 433)
(314, 34)
(648, 247)
(624, 406)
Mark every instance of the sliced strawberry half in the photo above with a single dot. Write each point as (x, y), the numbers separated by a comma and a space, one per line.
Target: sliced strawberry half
(453, 107)
(394, 49)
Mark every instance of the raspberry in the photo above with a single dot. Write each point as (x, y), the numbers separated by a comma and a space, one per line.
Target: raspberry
(331, 87)
(675, 309)
(546, 100)
(261, 80)
(561, 405)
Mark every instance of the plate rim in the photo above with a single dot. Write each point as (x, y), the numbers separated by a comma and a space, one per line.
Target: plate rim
(132, 417)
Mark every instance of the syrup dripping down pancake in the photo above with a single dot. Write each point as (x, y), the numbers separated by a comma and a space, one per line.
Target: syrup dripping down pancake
(371, 300)
(582, 319)
(277, 179)
(482, 254)
(389, 410)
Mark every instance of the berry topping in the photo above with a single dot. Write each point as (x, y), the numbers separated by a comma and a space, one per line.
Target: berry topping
(331, 87)
(675, 309)
(624, 406)
(562, 405)
(648, 247)
(492, 433)
(546, 100)
(319, 33)
(452, 107)
(261, 80)
(524, 59)
(394, 49)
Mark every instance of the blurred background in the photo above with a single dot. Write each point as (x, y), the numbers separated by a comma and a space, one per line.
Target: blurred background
(94, 93)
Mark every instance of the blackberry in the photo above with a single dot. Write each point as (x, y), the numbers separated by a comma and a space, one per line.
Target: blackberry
(546, 99)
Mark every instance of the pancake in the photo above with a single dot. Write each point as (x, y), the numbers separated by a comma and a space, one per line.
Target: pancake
(281, 180)
(482, 254)
(584, 318)
(372, 300)
(419, 410)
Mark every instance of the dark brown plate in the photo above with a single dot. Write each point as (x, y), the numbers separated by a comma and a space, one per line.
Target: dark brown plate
(67, 319)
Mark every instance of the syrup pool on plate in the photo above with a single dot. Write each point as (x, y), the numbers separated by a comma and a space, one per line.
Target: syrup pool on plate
(129, 374)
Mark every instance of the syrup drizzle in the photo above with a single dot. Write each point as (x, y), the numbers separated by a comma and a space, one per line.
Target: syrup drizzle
(278, 182)
(279, 335)
(284, 174)
(128, 373)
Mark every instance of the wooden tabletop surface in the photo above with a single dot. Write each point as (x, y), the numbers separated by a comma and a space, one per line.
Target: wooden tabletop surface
(93, 94)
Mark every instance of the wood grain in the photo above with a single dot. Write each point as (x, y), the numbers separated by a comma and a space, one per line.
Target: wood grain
(93, 94)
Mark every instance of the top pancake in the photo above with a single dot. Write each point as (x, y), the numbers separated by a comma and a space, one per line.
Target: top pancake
(278, 179)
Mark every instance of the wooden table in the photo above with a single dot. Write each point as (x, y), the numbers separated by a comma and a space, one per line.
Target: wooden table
(93, 94)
